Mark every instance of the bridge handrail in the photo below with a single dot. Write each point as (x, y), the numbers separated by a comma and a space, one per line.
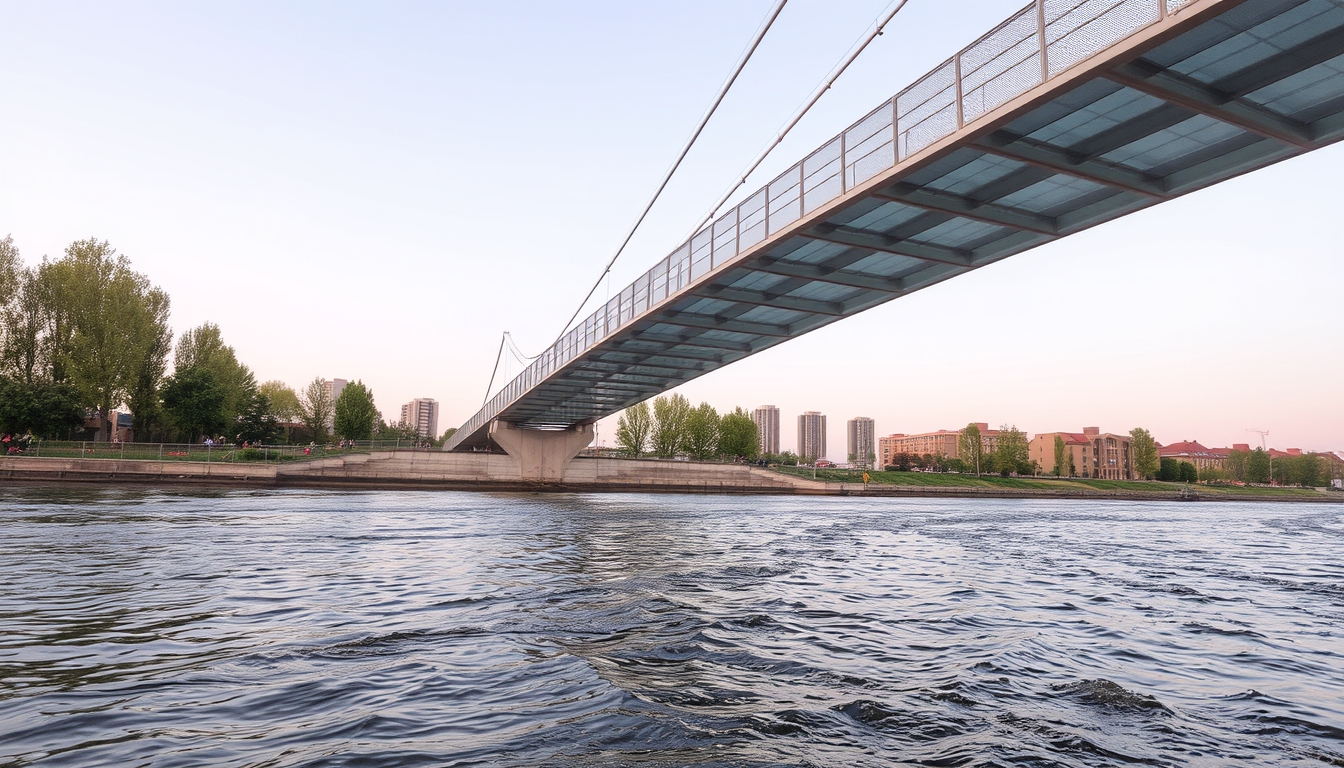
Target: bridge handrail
(1034, 45)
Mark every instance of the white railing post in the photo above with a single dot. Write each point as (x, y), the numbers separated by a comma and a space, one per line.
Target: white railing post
(895, 132)
(844, 169)
(956, 78)
(1040, 36)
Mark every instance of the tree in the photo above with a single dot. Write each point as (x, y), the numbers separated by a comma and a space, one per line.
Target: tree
(1236, 463)
(23, 319)
(971, 447)
(283, 399)
(106, 320)
(701, 430)
(739, 435)
(669, 425)
(256, 424)
(44, 409)
(316, 408)
(204, 347)
(1168, 470)
(1258, 467)
(194, 402)
(1143, 453)
(355, 412)
(284, 403)
(1012, 453)
(11, 271)
(142, 396)
(1187, 472)
(442, 439)
(1060, 451)
(632, 430)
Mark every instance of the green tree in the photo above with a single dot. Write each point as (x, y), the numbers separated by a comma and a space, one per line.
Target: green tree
(284, 402)
(1258, 467)
(971, 447)
(44, 409)
(668, 435)
(1236, 464)
(193, 401)
(316, 406)
(355, 412)
(1168, 470)
(143, 396)
(702, 432)
(1060, 452)
(110, 319)
(739, 435)
(283, 399)
(1012, 453)
(11, 272)
(1143, 453)
(1187, 472)
(22, 318)
(632, 430)
(256, 424)
(204, 347)
(442, 439)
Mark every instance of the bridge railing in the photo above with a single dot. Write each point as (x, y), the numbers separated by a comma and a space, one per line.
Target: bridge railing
(1037, 43)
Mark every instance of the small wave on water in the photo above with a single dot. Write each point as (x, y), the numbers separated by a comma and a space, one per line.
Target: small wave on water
(313, 629)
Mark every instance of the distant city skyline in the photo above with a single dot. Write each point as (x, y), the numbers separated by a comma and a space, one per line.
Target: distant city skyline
(1229, 296)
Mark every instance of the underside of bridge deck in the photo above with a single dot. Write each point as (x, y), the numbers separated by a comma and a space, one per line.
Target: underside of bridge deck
(952, 175)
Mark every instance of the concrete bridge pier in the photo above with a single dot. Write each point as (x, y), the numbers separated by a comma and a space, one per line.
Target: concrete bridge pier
(542, 455)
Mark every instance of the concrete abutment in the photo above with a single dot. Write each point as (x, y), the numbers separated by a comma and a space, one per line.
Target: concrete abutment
(542, 455)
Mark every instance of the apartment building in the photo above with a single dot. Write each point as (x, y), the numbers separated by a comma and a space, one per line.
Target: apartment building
(860, 432)
(812, 435)
(944, 442)
(1094, 453)
(767, 428)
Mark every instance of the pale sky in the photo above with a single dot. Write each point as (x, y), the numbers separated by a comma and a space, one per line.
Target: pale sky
(377, 191)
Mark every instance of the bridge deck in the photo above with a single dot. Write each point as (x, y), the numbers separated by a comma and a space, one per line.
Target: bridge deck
(1068, 115)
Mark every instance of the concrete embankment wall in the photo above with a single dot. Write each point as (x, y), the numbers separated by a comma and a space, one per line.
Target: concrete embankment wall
(415, 469)
(437, 470)
(127, 470)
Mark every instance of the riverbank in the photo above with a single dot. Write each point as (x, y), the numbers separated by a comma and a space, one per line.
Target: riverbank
(436, 470)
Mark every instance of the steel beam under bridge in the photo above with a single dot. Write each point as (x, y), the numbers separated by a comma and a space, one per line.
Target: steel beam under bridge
(1069, 114)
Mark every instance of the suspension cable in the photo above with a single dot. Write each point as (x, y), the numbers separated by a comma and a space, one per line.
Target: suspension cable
(741, 65)
(798, 116)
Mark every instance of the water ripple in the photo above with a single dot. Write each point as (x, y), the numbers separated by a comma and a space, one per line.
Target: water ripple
(314, 629)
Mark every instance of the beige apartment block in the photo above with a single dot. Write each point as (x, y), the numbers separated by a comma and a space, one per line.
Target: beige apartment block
(859, 432)
(422, 415)
(767, 428)
(812, 435)
(1097, 455)
(940, 443)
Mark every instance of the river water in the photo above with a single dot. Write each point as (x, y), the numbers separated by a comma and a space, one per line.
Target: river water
(147, 628)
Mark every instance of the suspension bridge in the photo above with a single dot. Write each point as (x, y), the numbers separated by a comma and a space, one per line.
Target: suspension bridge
(1067, 115)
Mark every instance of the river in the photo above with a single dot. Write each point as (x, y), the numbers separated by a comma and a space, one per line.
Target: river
(152, 628)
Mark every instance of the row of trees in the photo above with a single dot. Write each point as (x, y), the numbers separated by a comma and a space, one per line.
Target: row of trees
(84, 332)
(672, 428)
(85, 325)
(1010, 454)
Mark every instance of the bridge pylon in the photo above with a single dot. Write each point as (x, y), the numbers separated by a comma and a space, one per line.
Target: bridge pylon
(542, 454)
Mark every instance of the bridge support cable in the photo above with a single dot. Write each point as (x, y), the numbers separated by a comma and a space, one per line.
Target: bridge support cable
(505, 339)
(801, 113)
(704, 121)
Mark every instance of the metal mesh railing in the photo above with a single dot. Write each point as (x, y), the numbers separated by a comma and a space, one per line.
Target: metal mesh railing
(1039, 42)
(221, 453)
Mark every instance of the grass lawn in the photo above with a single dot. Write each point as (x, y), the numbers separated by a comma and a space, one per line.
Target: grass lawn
(952, 480)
